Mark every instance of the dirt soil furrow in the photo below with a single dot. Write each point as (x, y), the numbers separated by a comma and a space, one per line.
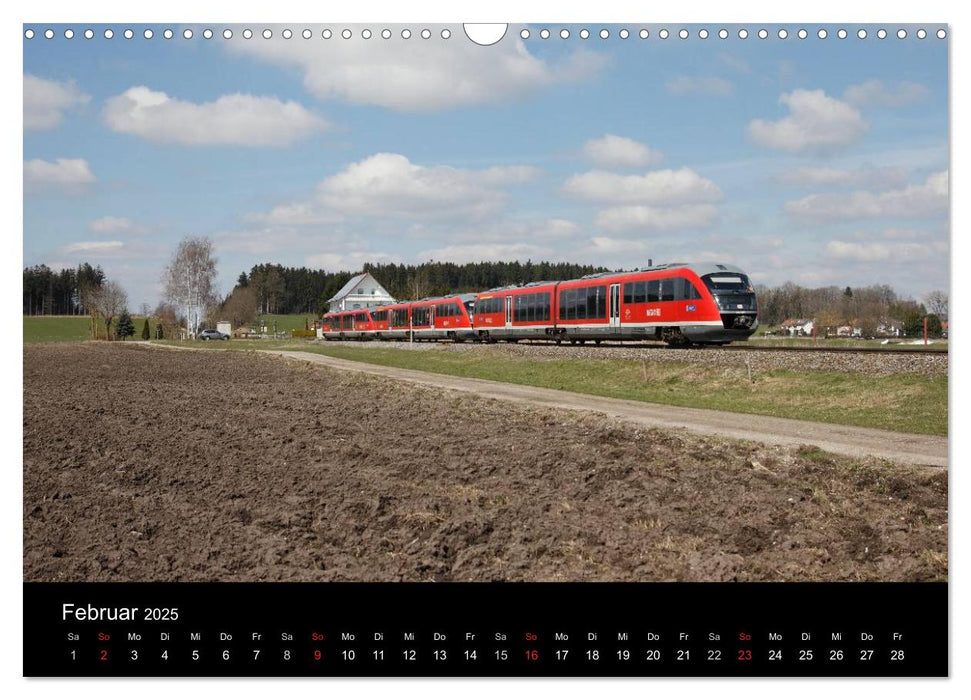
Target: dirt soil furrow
(144, 464)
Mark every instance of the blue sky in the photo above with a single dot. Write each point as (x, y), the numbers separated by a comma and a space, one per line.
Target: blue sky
(821, 161)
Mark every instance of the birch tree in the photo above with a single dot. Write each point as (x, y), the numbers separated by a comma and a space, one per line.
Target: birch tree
(189, 280)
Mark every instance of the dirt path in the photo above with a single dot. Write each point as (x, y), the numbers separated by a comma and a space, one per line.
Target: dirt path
(840, 439)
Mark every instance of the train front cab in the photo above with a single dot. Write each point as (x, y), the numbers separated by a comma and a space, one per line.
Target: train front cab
(332, 326)
(731, 294)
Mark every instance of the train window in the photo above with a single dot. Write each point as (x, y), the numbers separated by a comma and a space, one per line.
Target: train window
(684, 290)
(594, 297)
(492, 305)
(581, 303)
(635, 292)
(728, 283)
(667, 290)
(654, 291)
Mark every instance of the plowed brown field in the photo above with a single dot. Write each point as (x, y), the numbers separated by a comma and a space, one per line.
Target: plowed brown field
(145, 464)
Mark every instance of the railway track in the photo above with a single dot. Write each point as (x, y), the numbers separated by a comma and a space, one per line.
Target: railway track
(748, 347)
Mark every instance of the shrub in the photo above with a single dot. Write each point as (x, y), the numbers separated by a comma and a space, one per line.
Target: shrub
(125, 327)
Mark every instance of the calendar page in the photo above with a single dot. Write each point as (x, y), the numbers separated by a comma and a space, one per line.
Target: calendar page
(444, 350)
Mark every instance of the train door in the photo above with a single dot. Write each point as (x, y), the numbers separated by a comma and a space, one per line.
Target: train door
(508, 312)
(615, 306)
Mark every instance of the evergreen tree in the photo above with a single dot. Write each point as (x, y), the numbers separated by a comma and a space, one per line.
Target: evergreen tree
(146, 333)
(125, 327)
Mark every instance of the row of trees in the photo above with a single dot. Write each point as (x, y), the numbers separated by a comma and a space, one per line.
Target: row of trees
(867, 308)
(50, 293)
(288, 290)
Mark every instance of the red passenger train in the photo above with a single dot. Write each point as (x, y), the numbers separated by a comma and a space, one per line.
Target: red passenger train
(679, 303)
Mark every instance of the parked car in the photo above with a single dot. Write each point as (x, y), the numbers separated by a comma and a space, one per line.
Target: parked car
(213, 334)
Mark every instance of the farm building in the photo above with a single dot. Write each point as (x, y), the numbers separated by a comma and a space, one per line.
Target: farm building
(801, 326)
(361, 292)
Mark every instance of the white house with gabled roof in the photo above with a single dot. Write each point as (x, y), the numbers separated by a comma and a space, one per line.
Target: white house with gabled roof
(361, 292)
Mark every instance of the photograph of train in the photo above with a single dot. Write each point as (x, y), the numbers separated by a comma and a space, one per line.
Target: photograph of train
(590, 303)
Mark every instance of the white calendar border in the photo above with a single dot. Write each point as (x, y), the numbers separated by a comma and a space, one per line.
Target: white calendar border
(700, 11)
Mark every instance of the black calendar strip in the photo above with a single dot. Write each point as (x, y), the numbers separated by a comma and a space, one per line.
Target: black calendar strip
(563, 629)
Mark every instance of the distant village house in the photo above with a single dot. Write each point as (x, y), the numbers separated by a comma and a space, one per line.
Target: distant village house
(801, 326)
(361, 292)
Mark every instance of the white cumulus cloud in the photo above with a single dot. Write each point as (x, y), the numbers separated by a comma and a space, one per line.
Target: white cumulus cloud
(70, 175)
(816, 122)
(611, 151)
(45, 101)
(388, 185)
(875, 93)
(926, 200)
(662, 187)
(238, 119)
(421, 76)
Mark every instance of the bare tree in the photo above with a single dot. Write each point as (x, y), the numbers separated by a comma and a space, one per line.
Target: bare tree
(109, 299)
(88, 294)
(937, 303)
(165, 316)
(240, 307)
(189, 280)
